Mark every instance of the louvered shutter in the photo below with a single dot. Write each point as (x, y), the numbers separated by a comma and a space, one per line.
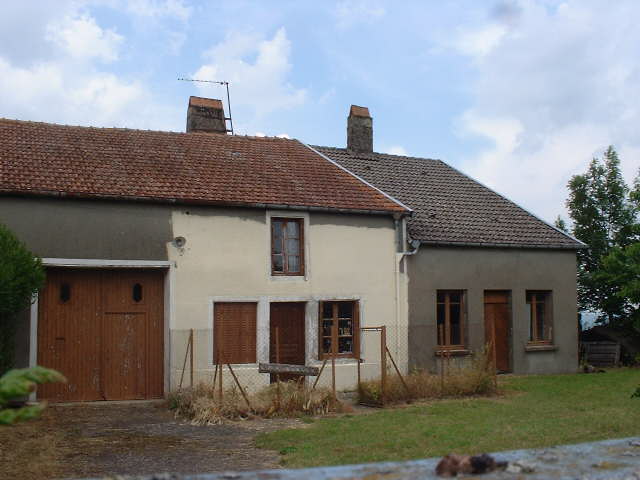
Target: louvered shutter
(234, 332)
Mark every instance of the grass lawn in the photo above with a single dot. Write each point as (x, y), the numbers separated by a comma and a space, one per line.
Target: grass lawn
(535, 411)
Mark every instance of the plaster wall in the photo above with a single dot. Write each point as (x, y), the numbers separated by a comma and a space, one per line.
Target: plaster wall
(227, 258)
(73, 228)
(478, 269)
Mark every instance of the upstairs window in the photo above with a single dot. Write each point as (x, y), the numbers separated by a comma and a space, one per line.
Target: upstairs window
(539, 313)
(450, 318)
(339, 329)
(287, 246)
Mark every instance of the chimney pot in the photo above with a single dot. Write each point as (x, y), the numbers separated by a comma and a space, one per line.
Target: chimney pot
(360, 130)
(206, 115)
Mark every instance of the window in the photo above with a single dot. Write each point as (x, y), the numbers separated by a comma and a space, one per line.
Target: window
(65, 292)
(450, 318)
(137, 293)
(339, 329)
(287, 246)
(539, 313)
(234, 332)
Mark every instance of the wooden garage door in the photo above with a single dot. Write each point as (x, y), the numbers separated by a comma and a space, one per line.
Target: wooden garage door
(103, 329)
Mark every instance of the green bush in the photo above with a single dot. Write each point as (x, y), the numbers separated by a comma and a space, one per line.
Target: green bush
(21, 275)
(19, 383)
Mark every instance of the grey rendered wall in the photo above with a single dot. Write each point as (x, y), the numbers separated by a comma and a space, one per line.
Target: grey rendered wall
(66, 228)
(70, 228)
(478, 269)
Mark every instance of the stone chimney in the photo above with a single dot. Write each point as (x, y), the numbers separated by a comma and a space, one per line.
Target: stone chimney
(360, 130)
(206, 115)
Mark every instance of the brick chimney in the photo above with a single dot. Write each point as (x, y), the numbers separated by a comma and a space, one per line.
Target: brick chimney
(205, 115)
(360, 130)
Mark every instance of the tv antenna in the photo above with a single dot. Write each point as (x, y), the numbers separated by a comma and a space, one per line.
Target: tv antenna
(223, 83)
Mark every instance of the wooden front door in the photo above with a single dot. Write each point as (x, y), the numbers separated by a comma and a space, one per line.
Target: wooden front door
(287, 323)
(497, 324)
(104, 330)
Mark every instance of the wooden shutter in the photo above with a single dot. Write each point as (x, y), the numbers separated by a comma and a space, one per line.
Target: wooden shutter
(234, 332)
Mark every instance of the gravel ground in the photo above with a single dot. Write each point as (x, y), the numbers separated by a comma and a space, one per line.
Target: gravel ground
(92, 440)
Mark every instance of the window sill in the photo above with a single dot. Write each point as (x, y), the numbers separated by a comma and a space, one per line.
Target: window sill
(452, 352)
(339, 361)
(288, 278)
(540, 347)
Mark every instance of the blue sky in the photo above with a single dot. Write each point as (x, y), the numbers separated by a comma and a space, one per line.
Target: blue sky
(520, 94)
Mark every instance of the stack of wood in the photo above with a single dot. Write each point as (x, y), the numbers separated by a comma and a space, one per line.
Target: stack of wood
(601, 354)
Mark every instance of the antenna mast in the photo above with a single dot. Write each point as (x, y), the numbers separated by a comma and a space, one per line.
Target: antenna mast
(223, 83)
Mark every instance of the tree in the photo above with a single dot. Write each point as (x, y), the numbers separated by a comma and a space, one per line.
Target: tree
(21, 275)
(604, 214)
(19, 383)
(622, 268)
(561, 224)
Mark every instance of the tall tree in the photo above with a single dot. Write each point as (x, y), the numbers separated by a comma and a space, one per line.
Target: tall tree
(604, 217)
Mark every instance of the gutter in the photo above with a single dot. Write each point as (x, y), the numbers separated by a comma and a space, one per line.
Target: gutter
(436, 243)
(187, 201)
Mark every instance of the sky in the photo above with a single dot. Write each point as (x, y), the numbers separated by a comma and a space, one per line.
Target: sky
(519, 94)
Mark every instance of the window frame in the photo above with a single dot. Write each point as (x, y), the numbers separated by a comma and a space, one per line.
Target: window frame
(531, 300)
(285, 256)
(355, 353)
(447, 320)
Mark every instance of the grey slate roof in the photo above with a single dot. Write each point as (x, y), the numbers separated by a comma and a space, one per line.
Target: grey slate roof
(449, 207)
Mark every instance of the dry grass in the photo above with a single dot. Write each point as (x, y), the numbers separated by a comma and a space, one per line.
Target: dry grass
(31, 450)
(473, 378)
(201, 403)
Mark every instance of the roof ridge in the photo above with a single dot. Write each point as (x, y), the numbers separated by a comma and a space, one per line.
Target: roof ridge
(409, 209)
(128, 129)
(344, 149)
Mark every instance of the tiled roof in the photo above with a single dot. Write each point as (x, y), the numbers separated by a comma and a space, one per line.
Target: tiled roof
(449, 207)
(48, 159)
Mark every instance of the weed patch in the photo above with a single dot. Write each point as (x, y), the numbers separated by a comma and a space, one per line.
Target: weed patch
(202, 405)
(471, 379)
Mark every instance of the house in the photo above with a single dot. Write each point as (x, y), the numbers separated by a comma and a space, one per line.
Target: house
(483, 271)
(267, 249)
(147, 236)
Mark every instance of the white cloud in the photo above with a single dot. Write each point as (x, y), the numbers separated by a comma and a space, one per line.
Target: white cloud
(160, 8)
(64, 82)
(396, 150)
(555, 88)
(479, 42)
(352, 12)
(258, 71)
(82, 38)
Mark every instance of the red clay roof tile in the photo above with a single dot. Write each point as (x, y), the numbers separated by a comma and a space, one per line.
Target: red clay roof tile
(49, 159)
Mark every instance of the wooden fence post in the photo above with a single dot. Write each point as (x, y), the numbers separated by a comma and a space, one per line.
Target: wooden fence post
(319, 373)
(333, 369)
(383, 363)
(191, 357)
(219, 366)
(393, 362)
(277, 374)
(184, 364)
(441, 357)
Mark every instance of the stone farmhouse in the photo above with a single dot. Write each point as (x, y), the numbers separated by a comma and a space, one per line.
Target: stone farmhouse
(257, 241)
